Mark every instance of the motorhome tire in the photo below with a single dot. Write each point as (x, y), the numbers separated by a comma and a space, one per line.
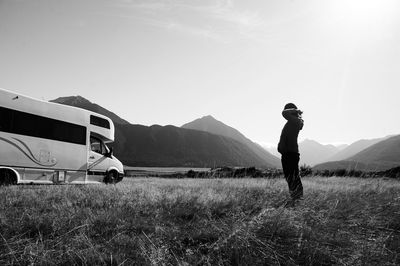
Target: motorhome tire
(111, 177)
(7, 177)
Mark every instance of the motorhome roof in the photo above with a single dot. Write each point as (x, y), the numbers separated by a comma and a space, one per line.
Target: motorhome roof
(58, 111)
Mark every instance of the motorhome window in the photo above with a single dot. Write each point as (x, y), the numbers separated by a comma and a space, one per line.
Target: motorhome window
(17, 122)
(98, 121)
(97, 145)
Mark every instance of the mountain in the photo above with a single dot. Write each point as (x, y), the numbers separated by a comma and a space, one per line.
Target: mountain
(378, 157)
(341, 147)
(312, 152)
(355, 148)
(79, 101)
(272, 149)
(211, 125)
(138, 145)
(308, 154)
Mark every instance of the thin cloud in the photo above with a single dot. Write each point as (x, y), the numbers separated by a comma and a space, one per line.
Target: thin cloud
(225, 11)
(218, 19)
(195, 31)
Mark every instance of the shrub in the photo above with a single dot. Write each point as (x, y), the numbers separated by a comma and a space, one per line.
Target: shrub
(305, 170)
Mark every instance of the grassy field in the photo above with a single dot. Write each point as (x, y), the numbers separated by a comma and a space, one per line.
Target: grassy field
(341, 221)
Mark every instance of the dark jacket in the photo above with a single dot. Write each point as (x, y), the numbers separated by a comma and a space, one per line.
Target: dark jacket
(290, 132)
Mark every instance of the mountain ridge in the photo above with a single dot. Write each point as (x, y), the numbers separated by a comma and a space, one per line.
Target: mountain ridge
(313, 152)
(81, 102)
(355, 148)
(380, 156)
(211, 125)
(138, 145)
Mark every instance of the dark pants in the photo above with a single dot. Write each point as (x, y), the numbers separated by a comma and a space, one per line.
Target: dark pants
(290, 165)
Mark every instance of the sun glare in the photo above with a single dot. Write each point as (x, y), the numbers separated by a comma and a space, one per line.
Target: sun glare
(364, 12)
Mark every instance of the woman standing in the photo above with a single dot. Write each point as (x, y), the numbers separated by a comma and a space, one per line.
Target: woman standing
(289, 149)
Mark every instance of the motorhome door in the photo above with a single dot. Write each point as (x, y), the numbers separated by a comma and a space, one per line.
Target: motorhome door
(98, 161)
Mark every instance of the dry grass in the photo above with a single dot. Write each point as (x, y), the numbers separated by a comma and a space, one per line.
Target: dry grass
(341, 221)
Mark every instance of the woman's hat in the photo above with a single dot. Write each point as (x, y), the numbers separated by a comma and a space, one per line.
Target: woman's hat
(290, 106)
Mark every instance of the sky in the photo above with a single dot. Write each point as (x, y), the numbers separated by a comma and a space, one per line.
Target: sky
(168, 62)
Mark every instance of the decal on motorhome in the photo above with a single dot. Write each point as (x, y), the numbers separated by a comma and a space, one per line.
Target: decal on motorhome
(43, 157)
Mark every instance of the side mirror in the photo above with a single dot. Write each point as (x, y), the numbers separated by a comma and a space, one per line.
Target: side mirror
(110, 153)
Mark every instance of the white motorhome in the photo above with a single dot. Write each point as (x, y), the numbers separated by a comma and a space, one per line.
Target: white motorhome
(46, 143)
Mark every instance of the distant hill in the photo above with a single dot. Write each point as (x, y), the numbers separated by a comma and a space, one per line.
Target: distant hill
(378, 157)
(211, 125)
(312, 152)
(138, 145)
(79, 101)
(355, 148)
